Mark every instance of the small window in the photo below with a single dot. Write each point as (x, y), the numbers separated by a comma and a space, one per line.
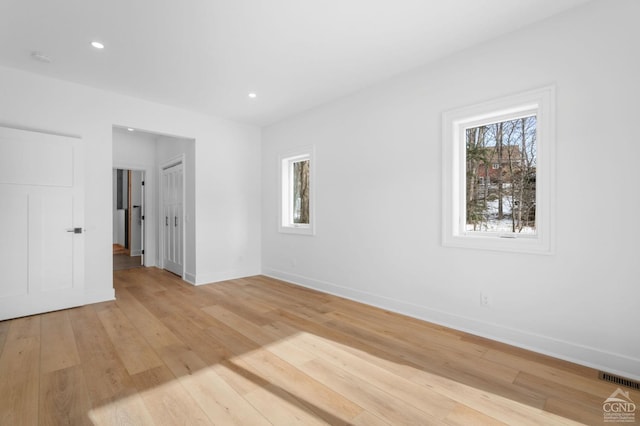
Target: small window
(296, 212)
(498, 174)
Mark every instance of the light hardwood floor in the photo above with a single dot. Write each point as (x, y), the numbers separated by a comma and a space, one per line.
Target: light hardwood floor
(257, 351)
(124, 261)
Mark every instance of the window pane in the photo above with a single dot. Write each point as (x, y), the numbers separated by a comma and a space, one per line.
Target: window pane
(501, 177)
(300, 183)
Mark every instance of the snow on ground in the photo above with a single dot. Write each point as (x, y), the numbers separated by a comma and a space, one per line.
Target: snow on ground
(503, 225)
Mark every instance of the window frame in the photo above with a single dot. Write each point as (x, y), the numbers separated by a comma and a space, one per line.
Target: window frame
(454, 124)
(285, 210)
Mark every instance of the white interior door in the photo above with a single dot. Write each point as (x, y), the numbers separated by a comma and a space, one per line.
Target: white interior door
(172, 192)
(41, 223)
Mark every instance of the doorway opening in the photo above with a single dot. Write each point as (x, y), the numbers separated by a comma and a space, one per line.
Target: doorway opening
(168, 232)
(128, 219)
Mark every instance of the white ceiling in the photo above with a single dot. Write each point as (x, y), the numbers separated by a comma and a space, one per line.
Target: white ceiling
(207, 55)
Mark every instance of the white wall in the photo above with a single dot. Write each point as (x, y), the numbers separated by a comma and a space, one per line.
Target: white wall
(34, 102)
(378, 180)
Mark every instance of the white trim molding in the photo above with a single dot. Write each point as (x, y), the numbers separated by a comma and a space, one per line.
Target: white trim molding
(285, 208)
(540, 102)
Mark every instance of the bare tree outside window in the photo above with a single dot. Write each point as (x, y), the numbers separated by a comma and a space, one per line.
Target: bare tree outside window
(300, 184)
(296, 196)
(501, 176)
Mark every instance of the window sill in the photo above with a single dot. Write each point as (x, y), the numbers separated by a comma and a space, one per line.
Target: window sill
(527, 244)
(297, 229)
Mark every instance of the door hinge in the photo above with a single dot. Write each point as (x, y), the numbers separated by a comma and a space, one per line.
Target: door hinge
(142, 251)
(142, 183)
(142, 217)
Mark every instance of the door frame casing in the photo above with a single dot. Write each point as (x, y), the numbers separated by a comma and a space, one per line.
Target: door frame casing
(174, 161)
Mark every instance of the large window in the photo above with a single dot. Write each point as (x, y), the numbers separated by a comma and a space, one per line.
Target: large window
(296, 206)
(498, 174)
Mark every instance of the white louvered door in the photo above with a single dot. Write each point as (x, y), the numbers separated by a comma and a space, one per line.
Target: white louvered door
(172, 187)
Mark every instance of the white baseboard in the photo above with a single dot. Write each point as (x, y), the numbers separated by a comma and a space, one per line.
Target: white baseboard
(190, 278)
(573, 352)
(224, 276)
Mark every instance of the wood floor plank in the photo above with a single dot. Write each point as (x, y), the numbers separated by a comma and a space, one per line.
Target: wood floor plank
(242, 293)
(586, 414)
(4, 330)
(385, 405)
(329, 403)
(238, 376)
(167, 401)
(151, 328)
(121, 410)
(396, 328)
(58, 341)
(402, 365)
(299, 324)
(462, 415)
(134, 351)
(420, 397)
(64, 398)
(445, 349)
(20, 373)
(551, 373)
(290, 411)
(154, 301)
(105, 375)
(196, 339)
(531, 356)
(494, 405)
(231, 301)
(475, 371)
(263, 336)
(554, 390)
(367, 419)
(210, 391)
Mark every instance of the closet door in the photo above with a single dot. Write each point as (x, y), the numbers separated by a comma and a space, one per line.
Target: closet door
(172, 191)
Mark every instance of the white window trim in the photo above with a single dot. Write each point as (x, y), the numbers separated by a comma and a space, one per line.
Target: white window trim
(454, 123)
(285, 223)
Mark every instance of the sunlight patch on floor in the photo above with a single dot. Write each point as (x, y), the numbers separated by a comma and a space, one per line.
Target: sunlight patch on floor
(254, 388)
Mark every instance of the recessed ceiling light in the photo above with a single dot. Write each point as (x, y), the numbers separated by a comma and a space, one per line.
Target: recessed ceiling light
(252, 95)
(97, 45)
(130, 129)
(41, 57)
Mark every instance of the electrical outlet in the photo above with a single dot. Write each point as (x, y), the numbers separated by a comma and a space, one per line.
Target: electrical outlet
(485, 299)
